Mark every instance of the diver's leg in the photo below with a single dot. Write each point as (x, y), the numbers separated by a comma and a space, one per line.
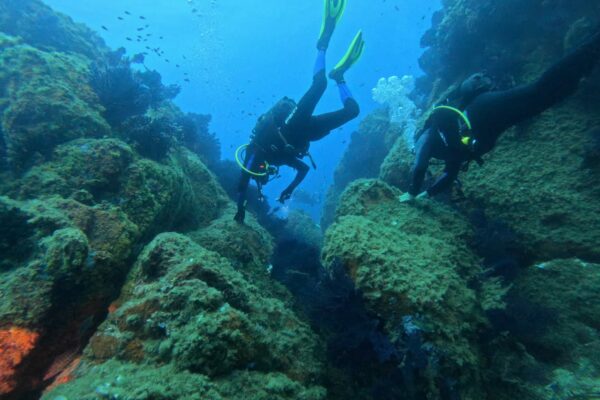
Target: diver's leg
(507, 108)
(307, 104)
(321, 125)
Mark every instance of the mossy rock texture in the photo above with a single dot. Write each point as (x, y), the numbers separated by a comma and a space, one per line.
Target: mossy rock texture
(536, 180)
(43, 28)
(186, 308)
(61, 262)
(180, 193)
(552, 349)
(368, 147)
(412, 261)
(47, 101)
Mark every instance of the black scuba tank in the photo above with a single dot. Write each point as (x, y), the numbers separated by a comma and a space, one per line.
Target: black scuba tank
(267, 131)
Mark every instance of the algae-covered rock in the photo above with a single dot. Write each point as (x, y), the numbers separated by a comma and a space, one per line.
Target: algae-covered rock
(62, 262)
(180, 193)
(550, 346)
(187, 309)
(48, 30)
(243, 244)
(536, 182)
(366, 151)
(45, 101)
(412, 261)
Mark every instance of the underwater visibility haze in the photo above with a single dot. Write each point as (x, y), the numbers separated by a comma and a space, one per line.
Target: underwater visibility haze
(302, 199)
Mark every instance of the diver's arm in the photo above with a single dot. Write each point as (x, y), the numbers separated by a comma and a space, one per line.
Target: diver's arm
(444, 182)
(302, 169)
(241, 202)
(423, 150)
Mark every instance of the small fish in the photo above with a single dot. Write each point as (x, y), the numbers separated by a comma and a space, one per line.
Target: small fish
(128, 38)
(187, 80)
(120, 18)
(127, 12)
(194, 10)
(142, 17)
(161, 38)
(177, 65)
(103, 27)
(167, 60)
(185, 73)
(184, 57)
(140, 29)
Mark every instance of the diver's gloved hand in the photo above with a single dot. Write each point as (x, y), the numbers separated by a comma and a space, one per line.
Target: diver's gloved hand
(285, 195)
(406, 197)
(240, 215)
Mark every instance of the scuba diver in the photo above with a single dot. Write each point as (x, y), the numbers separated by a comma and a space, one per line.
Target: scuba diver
(472, 119)
(282, 136)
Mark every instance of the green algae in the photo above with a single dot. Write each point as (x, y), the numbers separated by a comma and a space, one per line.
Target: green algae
(412, 260)
(48, 102)
(187, 308)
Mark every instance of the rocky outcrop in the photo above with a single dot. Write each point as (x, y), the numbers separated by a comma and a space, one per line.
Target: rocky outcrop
(88, 188)
(187, 312)
(415, 263)
(366, 151)
(539, 179)
(46, 101)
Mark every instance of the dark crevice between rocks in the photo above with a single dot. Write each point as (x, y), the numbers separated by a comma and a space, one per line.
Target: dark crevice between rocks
(363, 361)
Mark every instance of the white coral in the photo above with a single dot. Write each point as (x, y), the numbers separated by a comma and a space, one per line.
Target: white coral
(393, 92)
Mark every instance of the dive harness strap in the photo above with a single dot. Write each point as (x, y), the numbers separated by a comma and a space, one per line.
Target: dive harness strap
(289, 146)
(466, 138)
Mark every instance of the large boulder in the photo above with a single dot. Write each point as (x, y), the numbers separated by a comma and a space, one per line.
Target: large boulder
(550, 340)
(62, 263)
(187, 311)
(367, 149)
(45, 100)
(415, 262)
(43, 28)
(179, 193)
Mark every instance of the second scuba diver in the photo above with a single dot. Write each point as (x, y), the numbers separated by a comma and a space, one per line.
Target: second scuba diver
(470, 122)
(282, 136)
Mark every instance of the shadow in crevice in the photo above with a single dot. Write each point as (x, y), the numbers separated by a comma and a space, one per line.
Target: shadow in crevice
(363, 361)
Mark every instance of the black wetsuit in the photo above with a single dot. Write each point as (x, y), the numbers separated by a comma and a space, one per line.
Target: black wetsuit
(300, 129)
(492, 113)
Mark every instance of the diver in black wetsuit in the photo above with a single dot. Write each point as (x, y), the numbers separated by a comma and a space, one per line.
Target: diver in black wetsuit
(283, 135)
(464, 129)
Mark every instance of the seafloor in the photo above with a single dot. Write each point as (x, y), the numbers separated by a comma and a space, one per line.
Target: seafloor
(124, 276)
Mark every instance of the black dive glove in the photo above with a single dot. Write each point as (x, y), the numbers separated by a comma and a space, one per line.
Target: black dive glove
(285, 195)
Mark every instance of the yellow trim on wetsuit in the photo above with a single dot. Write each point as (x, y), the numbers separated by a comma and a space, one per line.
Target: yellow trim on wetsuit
(241, 164)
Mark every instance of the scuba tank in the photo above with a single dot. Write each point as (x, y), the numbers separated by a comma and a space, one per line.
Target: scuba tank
(267, 131)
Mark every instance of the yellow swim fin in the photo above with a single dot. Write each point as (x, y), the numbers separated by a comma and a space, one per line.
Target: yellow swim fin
(334, 9)
(355, 51)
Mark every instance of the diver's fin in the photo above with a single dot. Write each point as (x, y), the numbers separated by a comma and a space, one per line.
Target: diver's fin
(355, 51)
(334, 9)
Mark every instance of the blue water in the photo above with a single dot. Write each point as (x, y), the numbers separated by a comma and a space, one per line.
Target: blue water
(243, 55)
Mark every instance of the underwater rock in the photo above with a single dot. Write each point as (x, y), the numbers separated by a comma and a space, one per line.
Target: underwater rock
(551, 332)
(45, 101)
(539, 180)
(68, 261)
(180, 193)
(43, 28)
(187, 310)
(534, 181)
(414, 260)
(366, 151)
